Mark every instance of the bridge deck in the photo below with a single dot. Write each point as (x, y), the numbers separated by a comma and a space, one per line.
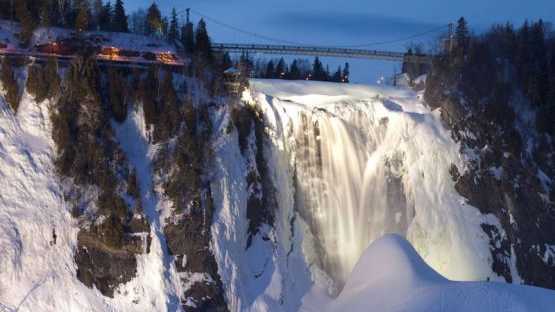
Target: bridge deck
(320, 51)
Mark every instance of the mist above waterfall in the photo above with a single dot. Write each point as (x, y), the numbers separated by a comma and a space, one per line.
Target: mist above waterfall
(369, 161)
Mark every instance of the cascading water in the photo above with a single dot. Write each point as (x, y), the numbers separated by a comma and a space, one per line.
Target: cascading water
(348, 185)
(350, 194)
(366, 162)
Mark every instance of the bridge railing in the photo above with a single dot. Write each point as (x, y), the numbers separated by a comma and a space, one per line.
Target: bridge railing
(320, 51)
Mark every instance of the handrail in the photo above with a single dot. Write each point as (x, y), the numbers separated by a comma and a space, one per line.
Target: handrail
(322, 51)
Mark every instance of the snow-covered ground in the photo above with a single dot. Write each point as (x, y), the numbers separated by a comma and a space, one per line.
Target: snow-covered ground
(126, 41)
(37, 233)
(112, 41)
(391, 277)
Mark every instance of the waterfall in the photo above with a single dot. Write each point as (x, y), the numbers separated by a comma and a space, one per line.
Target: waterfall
(368, 162)
(348, 184)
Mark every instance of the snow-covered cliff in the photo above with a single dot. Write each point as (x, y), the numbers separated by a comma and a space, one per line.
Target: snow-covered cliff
(264, 204)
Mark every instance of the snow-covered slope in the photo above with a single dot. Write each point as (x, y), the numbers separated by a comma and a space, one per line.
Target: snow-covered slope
(37, 233)
(390, 276)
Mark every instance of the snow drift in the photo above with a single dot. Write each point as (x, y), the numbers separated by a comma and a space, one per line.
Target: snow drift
(37, 233)
(391, 276)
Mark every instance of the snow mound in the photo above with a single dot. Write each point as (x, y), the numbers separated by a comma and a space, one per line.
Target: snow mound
(391, 261)
(391, 276)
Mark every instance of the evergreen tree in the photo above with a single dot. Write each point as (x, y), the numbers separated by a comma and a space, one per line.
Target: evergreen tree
(26, 20)
(165, 28)
(540, 76)
(412, 69)
(52, 78)
(270, 70)
(173, 33)
(119, 20)
(226, 61)
(133, 188)
(318, 71)
(294, 72)
(203, 46)
(346, 73)
(169, 117)
(105, 17)
(188, 38)
(36, 84)
(551, 93)
(83, 17)
(406, 65)
(149, 89)
(6, 10)
(56, 18)
(153, 20)
(43, 82)
(67, 13)
(45, 12)
(523, 55)
(245, 67)
(281, 68)
(7, 76)
(337, 75)
(462, 35)
(545, 117)
(98, 8)
(116, 95)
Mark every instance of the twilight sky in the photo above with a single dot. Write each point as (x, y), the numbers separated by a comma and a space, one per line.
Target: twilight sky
(352, 22)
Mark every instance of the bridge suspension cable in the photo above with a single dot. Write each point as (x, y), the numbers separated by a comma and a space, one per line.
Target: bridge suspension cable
(246, 32)
(277, 40)
(430, 31)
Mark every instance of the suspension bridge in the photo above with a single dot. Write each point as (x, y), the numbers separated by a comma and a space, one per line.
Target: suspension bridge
(293, 48)
(321, 51)
(284, 48)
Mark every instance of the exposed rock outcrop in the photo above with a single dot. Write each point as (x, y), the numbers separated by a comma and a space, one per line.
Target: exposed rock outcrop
(508, 162)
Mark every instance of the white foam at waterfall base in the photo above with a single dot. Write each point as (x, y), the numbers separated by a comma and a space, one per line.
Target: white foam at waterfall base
(369, 161)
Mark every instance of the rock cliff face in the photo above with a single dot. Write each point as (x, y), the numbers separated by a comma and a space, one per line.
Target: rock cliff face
(509, 164)
(134, 161)
(133, 158)
(182, 166)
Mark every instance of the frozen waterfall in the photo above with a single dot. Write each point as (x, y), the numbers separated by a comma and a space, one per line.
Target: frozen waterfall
(366, 161)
